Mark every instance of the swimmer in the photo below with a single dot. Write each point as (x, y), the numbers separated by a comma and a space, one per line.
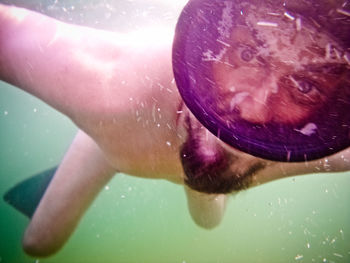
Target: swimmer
(119, 90)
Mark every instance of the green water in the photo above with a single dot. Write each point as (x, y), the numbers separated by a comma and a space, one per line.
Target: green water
(302, 219)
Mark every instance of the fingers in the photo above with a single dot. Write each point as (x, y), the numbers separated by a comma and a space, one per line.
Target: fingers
(79, 178)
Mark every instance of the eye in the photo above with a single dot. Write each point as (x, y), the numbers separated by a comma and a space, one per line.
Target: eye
(305, 86)
(304, 90)
(247, 54)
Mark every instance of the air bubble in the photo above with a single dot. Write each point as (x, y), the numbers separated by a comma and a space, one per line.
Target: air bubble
(298, 24)
(267, 23)
(289, 16)
(298, 257)
(343, 12)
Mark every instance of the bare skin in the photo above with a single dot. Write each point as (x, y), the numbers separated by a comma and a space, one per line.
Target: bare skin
(119, 90)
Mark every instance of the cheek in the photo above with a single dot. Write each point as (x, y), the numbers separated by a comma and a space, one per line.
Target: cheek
(221, 75)
(283, 110)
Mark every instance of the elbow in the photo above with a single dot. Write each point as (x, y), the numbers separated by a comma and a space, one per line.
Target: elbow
(207, 221)
(208, 225)
(35, 246)
(207, 211)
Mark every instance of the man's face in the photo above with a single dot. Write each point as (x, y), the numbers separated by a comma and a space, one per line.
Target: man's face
(277, 69)
(265, 65)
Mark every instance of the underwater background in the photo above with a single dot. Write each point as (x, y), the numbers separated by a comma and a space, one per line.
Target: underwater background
(299, 219)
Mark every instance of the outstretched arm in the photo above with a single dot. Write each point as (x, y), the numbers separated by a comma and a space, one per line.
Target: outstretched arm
(87, 74)
(79, 178)
(339, 162)
(62, 64)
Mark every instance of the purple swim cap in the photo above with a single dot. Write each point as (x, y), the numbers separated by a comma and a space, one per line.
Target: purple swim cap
(270, 78)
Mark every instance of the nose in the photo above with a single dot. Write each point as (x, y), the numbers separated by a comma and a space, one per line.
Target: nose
(253, 102)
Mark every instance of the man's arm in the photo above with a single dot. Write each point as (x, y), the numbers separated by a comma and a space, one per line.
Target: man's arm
(339, 162)
(84, 73)
(59, 63)
(79, 178)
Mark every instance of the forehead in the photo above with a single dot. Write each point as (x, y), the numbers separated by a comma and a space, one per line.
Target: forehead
(284, 35)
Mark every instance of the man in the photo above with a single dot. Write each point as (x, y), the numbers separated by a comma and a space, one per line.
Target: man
(119, 90)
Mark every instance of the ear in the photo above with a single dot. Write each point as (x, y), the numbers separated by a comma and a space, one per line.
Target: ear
(207, 210)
